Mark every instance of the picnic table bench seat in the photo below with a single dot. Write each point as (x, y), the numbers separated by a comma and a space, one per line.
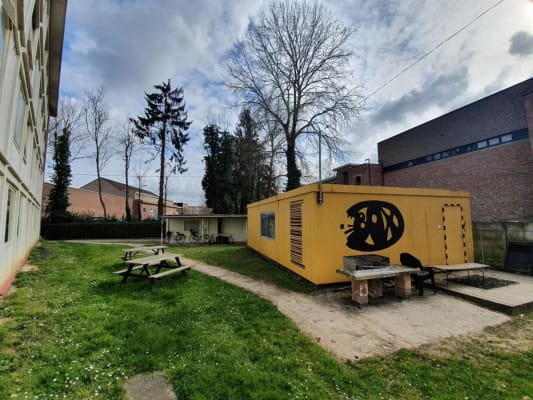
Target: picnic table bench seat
(170, 271)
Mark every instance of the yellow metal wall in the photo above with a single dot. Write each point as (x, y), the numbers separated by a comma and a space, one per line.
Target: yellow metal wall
(323, 227)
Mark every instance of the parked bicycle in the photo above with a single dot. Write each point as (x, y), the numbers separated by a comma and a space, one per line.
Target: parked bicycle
(196, 237)
(176, 236)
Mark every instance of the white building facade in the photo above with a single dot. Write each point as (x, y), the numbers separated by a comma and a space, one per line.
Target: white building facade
(31, 42)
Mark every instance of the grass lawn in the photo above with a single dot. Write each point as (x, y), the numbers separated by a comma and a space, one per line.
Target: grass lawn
(72, 330)
(241, 259)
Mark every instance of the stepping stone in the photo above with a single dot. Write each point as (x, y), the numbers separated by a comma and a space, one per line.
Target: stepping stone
(152, 386)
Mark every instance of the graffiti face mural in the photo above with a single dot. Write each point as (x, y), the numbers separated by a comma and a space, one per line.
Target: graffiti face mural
(377, 225)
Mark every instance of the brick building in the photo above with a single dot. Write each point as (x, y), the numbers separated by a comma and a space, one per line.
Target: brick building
(358, 174)
(86, 201)
(484, 148)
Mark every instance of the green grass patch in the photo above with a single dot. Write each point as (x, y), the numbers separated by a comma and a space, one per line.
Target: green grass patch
(74, 331)
(241, 259)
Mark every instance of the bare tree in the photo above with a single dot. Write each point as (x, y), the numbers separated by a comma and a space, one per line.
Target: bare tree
(96, 117)
(68, 118)
(273, 144)
(127, 141)
(294, 63)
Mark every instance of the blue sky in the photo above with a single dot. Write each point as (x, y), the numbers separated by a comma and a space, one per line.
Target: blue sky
(127, 46)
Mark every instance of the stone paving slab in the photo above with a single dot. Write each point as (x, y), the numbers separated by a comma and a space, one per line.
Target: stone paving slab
(153, 386)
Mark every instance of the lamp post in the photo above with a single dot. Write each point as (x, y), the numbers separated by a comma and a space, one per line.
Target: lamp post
(369, 175)
(320, 198)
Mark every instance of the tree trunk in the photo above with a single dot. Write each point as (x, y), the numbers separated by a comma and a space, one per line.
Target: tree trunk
(293, 173)
(99, 180)
(162, 171)
(100, 192)
(128, 210)
(139, 206)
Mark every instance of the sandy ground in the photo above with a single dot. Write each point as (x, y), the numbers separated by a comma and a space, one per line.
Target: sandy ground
(349, 332)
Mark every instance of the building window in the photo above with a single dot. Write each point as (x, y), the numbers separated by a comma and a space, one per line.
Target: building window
(357, 179)
(19, 121)
(1, 36)
(482, 144)
(494, 141)
(268, 225)
(9, 212)
(506, 138)
(192, 225)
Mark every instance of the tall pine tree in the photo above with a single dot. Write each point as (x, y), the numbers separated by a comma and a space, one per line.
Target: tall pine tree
(249, 161)
(165, 124)
(58, 203)
(219, 162)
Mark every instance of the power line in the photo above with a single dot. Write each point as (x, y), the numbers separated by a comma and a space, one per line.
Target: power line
(433, 49)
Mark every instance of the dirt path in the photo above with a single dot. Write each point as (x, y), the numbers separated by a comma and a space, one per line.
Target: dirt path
(352, 333)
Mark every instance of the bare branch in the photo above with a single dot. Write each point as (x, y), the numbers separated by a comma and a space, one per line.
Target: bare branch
(96, 117)
(294, 65)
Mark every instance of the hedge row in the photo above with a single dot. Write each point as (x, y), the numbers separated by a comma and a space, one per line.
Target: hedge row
(104, 230)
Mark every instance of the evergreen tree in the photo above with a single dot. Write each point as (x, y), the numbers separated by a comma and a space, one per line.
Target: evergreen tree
(219, 166)
(249, 162)
(58, 203)
(237, 171)
(165, 125)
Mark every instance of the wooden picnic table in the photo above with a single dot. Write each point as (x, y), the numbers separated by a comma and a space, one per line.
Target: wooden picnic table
(131, 252)
(367, 282)
(150, 267)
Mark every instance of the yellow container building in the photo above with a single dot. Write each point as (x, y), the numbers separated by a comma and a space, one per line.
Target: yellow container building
(311, 238)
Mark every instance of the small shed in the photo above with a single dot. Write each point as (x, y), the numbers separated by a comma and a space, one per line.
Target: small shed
(208, 226)
(311, 238)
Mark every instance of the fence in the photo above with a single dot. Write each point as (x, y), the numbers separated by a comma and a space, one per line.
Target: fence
(491, 239)
(101, 230)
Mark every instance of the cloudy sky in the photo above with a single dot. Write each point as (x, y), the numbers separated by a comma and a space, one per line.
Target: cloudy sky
(467, 49)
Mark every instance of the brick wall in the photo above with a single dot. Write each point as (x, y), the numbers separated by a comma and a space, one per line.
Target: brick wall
(370, 174)
(85, 202)
(528, 105)
(500, 180)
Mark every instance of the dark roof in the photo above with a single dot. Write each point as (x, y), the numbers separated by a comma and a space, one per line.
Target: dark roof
(114, 188)
(500, 113)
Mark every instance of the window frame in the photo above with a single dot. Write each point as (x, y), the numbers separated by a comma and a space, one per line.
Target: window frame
(267, 225)
(9, 213)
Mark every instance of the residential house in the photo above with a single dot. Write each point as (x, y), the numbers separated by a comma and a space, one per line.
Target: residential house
(143, 203)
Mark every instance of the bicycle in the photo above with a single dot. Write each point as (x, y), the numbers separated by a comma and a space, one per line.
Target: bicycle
(179, 237)
(197, 237)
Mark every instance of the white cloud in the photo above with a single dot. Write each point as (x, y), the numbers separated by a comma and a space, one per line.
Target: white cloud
(128, 46)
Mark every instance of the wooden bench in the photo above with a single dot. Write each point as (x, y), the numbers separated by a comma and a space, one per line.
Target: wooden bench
(159, 261)
(367, 282)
